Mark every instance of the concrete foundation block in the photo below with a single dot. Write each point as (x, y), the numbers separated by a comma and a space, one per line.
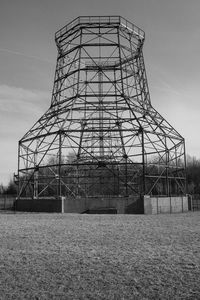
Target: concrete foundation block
(159, 205)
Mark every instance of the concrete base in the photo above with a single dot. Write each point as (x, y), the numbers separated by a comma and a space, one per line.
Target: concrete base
(158, 205)
(121, 205)
(38, 205)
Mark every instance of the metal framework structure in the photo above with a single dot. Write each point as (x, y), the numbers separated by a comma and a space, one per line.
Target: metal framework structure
(101, 136)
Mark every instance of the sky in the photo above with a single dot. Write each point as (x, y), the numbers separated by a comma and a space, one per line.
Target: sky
(28, 59)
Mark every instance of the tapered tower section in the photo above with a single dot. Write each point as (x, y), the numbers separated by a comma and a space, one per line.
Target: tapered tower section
(101, 135)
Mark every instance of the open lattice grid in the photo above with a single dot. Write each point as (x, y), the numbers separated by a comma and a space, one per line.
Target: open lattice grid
(101, 135)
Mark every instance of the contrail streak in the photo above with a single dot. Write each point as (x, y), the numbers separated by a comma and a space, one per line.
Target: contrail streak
(25, 55)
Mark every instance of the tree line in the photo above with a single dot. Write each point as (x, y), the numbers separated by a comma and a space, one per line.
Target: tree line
(193, 179)
(193, 175)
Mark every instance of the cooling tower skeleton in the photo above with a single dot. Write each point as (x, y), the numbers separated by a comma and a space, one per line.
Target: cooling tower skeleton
(101, 135)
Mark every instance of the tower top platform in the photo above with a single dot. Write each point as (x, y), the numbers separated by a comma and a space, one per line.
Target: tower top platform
(99, 21)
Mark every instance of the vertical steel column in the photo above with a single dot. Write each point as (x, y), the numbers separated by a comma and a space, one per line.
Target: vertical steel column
(185, 167)
(143, 163)
(35, 175)
(100, 96)
(18, 172)
(167, 172)
(59, 163)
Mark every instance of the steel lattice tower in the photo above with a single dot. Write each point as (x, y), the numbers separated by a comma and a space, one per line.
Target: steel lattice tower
(101, 135)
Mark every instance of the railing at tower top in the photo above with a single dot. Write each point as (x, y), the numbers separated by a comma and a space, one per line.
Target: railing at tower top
(101, 20)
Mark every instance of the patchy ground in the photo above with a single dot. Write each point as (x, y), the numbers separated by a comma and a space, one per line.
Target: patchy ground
(70, 256)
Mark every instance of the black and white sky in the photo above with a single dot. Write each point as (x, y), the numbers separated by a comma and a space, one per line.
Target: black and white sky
(28, 59)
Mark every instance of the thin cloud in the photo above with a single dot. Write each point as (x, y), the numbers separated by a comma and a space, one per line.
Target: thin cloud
(19, 109)
(20, 100)
(25, 55)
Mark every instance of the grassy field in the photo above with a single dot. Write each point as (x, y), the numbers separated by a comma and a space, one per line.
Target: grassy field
(69, 256)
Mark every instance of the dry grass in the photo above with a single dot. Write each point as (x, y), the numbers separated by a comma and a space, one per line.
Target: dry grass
(54, 256)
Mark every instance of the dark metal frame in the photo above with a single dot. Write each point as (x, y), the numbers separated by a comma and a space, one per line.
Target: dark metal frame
(101, 135)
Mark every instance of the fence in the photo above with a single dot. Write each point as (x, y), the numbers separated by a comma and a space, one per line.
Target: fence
(7, 202)
(195, 202)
